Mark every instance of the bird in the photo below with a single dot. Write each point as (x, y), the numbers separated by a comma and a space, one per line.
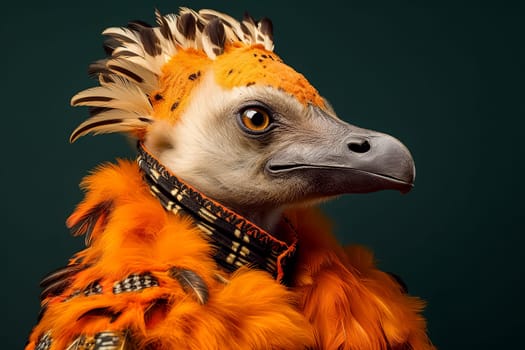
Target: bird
(212, 237)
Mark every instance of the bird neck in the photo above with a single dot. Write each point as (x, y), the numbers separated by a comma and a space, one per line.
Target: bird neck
(240, 242)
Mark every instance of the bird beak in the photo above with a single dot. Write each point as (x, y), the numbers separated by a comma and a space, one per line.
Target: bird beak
(338, 158)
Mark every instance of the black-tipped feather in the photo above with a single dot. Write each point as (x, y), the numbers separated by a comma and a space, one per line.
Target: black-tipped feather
(106, 78)
(59, 280)
(91, 126)
(124, 53)
(98, 67)
(55, 289)
(86, 224)
(186, 26)
(191, 283)
(147, 36)
(93, 111)
(121, 38)
(164, 26)
(137, 24)
(110, 44)
(101, 312)
(266, 27)
(129, 74)
(200, 24)
(245, 29)
(248, 18)
(215, 29)
(60, 274)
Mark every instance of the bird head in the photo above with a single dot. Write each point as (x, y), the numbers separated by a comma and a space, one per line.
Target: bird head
(209, 98)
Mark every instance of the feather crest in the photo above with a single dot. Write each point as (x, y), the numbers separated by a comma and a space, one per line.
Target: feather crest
(137, 53)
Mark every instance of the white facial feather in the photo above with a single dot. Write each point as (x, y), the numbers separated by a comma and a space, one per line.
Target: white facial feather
(207, 149)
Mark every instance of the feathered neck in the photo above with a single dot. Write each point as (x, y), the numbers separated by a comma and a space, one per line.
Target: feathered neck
(238, 241)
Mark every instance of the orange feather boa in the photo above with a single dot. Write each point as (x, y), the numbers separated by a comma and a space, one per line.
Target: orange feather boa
(337, 298)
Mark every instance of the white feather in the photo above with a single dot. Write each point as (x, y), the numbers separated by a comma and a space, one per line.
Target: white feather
(126, 122)
(124, 95)
(148, 81)
(267, 40)
(252, 29)
(233, 27)
(122, 32)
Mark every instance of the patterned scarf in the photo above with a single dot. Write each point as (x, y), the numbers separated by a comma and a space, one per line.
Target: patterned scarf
(237, 241)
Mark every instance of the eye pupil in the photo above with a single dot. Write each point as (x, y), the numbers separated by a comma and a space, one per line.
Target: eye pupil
(256, 117)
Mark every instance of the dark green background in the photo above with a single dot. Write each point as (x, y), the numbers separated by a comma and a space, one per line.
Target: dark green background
(445, 78)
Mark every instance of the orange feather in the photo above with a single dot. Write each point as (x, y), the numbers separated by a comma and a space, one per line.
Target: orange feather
(337, 299)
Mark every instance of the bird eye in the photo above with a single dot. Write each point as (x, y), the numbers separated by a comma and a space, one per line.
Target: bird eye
(255, 119)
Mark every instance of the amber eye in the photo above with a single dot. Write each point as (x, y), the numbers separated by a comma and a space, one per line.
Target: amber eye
(255, 119)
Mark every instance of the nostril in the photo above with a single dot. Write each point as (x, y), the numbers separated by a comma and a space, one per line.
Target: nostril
(359, 146)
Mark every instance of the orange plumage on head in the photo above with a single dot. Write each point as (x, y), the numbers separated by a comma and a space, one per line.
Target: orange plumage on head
(170, 67)
(173, 270)
(239, 65)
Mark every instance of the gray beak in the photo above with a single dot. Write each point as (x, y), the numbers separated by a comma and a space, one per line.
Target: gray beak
(340, 158)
